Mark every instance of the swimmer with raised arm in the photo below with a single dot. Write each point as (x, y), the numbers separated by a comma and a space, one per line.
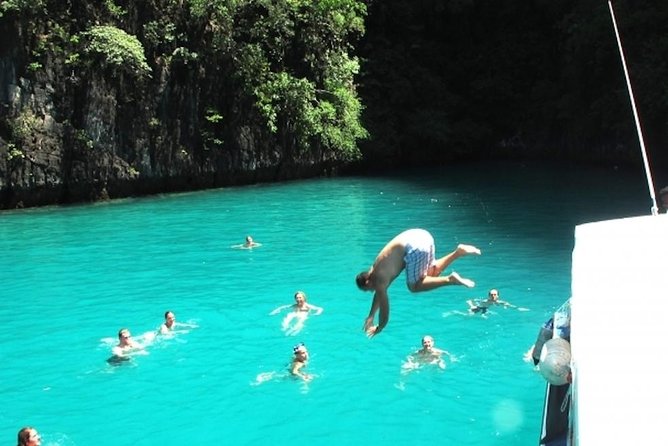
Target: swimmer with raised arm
(414, 251)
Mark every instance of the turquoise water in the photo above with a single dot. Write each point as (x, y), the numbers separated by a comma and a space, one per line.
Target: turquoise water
(73, 276)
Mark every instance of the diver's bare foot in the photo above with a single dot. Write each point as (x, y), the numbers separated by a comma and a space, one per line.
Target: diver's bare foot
(459, 280)
(467, 249)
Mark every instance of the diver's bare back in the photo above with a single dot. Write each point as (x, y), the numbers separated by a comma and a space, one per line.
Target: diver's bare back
(390, 261)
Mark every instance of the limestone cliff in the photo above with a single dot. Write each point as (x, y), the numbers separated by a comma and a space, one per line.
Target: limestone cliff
(141, 97)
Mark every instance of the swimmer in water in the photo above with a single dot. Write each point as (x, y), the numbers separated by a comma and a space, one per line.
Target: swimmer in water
(481, 306)
(248, 243)
(171, 325)
(293, 322)
(294, 367)
(126, 347)
(300, 305)
(428, 354)
(29, 436)
(299, 361)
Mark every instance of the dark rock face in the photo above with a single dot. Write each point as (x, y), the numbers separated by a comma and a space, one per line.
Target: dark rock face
(124, 146)
(86, 133)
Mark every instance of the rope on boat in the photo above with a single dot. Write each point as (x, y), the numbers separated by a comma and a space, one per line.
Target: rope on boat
(650, 183)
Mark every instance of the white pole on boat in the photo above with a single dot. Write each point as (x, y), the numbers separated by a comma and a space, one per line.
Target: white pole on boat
(650, 183)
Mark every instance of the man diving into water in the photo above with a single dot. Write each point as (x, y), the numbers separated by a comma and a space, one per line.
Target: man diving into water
(413, 250)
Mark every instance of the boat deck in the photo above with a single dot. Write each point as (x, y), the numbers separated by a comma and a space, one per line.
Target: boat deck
(619, 320)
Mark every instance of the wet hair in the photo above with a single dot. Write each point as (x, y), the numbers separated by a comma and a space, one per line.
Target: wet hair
(300, 292)
(24, 436)
(121, 331)
(296, 348)
(361, 280)
(167, 313)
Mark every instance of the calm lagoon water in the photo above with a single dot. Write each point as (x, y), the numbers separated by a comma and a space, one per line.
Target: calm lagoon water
(73, 276)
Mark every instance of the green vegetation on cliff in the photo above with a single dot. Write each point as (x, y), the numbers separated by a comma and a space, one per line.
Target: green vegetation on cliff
(124, 97)
(139, 96)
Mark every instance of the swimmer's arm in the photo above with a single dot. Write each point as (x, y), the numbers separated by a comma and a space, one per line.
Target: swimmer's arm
(185, 325)
(318, 310)
(117, 351)
(279, 309)
(137, 348)
(129, 351)
(294, 371)
(506, 304)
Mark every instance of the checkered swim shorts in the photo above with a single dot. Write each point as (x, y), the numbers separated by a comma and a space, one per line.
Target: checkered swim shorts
(419, 255)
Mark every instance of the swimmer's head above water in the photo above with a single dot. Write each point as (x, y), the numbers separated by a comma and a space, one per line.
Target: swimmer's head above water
(300, 351)
(300, 298)
(28, 436)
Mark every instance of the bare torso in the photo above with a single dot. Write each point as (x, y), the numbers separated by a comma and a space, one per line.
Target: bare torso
(389, 263)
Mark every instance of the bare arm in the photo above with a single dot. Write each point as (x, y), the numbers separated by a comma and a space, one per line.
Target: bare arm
(279, 309)
(381, 303)
(295, 370)
(318, 310)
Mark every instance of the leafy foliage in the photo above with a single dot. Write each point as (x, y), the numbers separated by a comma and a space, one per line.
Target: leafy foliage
(117, 49)
(21, 6)
(293, 58)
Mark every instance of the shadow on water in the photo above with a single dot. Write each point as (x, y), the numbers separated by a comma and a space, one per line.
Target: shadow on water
(579, 194)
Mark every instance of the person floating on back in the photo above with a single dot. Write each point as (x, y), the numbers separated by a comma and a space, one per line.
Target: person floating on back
(414, 251)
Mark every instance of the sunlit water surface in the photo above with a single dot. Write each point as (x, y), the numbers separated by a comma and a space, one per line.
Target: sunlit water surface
(73, 276)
